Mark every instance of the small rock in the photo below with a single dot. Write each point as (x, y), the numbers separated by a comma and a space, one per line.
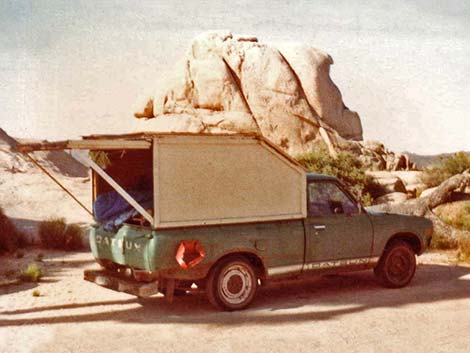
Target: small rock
(428, 192)
(394, 197)
(375, 146)
(387, 182)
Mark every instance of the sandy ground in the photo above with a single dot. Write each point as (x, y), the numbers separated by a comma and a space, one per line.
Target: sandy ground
(349, 312)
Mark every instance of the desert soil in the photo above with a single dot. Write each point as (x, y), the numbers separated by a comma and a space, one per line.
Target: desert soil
(348, 312)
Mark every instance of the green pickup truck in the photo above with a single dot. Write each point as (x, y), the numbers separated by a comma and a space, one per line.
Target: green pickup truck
(231, 213)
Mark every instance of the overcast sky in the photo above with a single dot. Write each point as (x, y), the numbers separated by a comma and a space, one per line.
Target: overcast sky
(69, 68)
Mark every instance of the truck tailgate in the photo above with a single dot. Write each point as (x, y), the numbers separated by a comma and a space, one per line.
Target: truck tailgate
(128, 246)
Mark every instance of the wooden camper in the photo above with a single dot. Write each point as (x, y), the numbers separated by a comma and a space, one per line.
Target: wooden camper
(200, 179)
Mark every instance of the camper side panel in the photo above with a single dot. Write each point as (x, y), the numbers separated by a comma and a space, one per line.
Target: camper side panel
(217, 180)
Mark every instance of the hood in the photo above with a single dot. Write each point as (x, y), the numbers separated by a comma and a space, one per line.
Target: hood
(404, 222)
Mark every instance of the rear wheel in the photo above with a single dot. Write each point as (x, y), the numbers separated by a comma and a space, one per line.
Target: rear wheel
(397, 265)
(232, 284)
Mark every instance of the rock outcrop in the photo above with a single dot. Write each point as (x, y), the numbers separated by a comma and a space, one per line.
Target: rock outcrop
(388, 183)
(424, 206)
(235, 83)
(394, 197)
(228, 83)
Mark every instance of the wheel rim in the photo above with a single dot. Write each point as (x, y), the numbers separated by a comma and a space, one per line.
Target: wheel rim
(236, 285)
(400, 266)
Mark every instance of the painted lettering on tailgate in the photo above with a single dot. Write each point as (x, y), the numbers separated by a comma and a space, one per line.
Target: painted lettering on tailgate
(117, 243)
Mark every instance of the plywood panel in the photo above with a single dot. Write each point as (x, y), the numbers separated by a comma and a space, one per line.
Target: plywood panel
(214, 180)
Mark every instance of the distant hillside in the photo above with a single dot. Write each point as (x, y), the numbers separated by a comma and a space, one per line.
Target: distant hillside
(423, 161)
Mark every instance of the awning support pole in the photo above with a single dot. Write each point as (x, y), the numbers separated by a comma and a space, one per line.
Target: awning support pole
(116, 187)
(57, 182)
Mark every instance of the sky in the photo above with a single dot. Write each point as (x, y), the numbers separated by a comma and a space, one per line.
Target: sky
(71, 68)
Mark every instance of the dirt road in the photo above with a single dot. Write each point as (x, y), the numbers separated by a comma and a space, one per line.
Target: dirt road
(331, 314)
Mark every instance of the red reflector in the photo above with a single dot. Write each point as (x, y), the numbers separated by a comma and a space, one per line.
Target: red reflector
(189, 253)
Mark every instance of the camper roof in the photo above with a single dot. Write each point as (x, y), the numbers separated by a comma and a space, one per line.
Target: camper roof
(137, 140)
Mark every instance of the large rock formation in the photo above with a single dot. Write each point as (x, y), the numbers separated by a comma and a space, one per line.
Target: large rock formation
(229, 83)
(234, 83)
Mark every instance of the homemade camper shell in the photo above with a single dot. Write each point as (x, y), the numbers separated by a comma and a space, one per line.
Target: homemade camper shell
(198, 179)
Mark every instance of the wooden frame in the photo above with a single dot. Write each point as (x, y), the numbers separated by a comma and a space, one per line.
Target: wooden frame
(283, 207)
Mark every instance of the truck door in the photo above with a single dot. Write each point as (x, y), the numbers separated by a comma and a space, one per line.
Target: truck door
(336, 228)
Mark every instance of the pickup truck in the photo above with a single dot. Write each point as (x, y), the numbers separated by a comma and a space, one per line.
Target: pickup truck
(228, 227)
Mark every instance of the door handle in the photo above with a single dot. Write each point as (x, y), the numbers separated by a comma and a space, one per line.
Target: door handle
(319, 226)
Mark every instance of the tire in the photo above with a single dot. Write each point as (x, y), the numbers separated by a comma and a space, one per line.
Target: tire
(232, 284)
(397, 265)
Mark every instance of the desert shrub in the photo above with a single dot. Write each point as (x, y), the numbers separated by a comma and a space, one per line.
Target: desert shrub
(56, 234)
(36, 293)
(73, 237)
(447, 167)
(464, 248)
(455, 214)
(346, 167)
(33, 273)
(10, 237)
(441, 241)
(51, 233)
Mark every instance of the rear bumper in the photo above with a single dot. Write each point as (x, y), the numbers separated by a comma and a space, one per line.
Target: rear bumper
(116, 282)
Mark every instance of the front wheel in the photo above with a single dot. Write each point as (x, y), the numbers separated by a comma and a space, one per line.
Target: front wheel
(397, 265)
(232, 284)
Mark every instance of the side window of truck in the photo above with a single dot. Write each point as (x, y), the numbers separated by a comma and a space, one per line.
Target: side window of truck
(326, 198)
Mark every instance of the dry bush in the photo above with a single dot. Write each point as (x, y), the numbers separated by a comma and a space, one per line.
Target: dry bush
(447, 167)
(464, 247)
(455, 214)
(441, 241)
(346, 166)
(73, 237)
(33, 273)
(56, 234)
(10, 238)
(51, 233)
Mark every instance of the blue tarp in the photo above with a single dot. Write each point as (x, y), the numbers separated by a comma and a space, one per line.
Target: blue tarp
(113, 210)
